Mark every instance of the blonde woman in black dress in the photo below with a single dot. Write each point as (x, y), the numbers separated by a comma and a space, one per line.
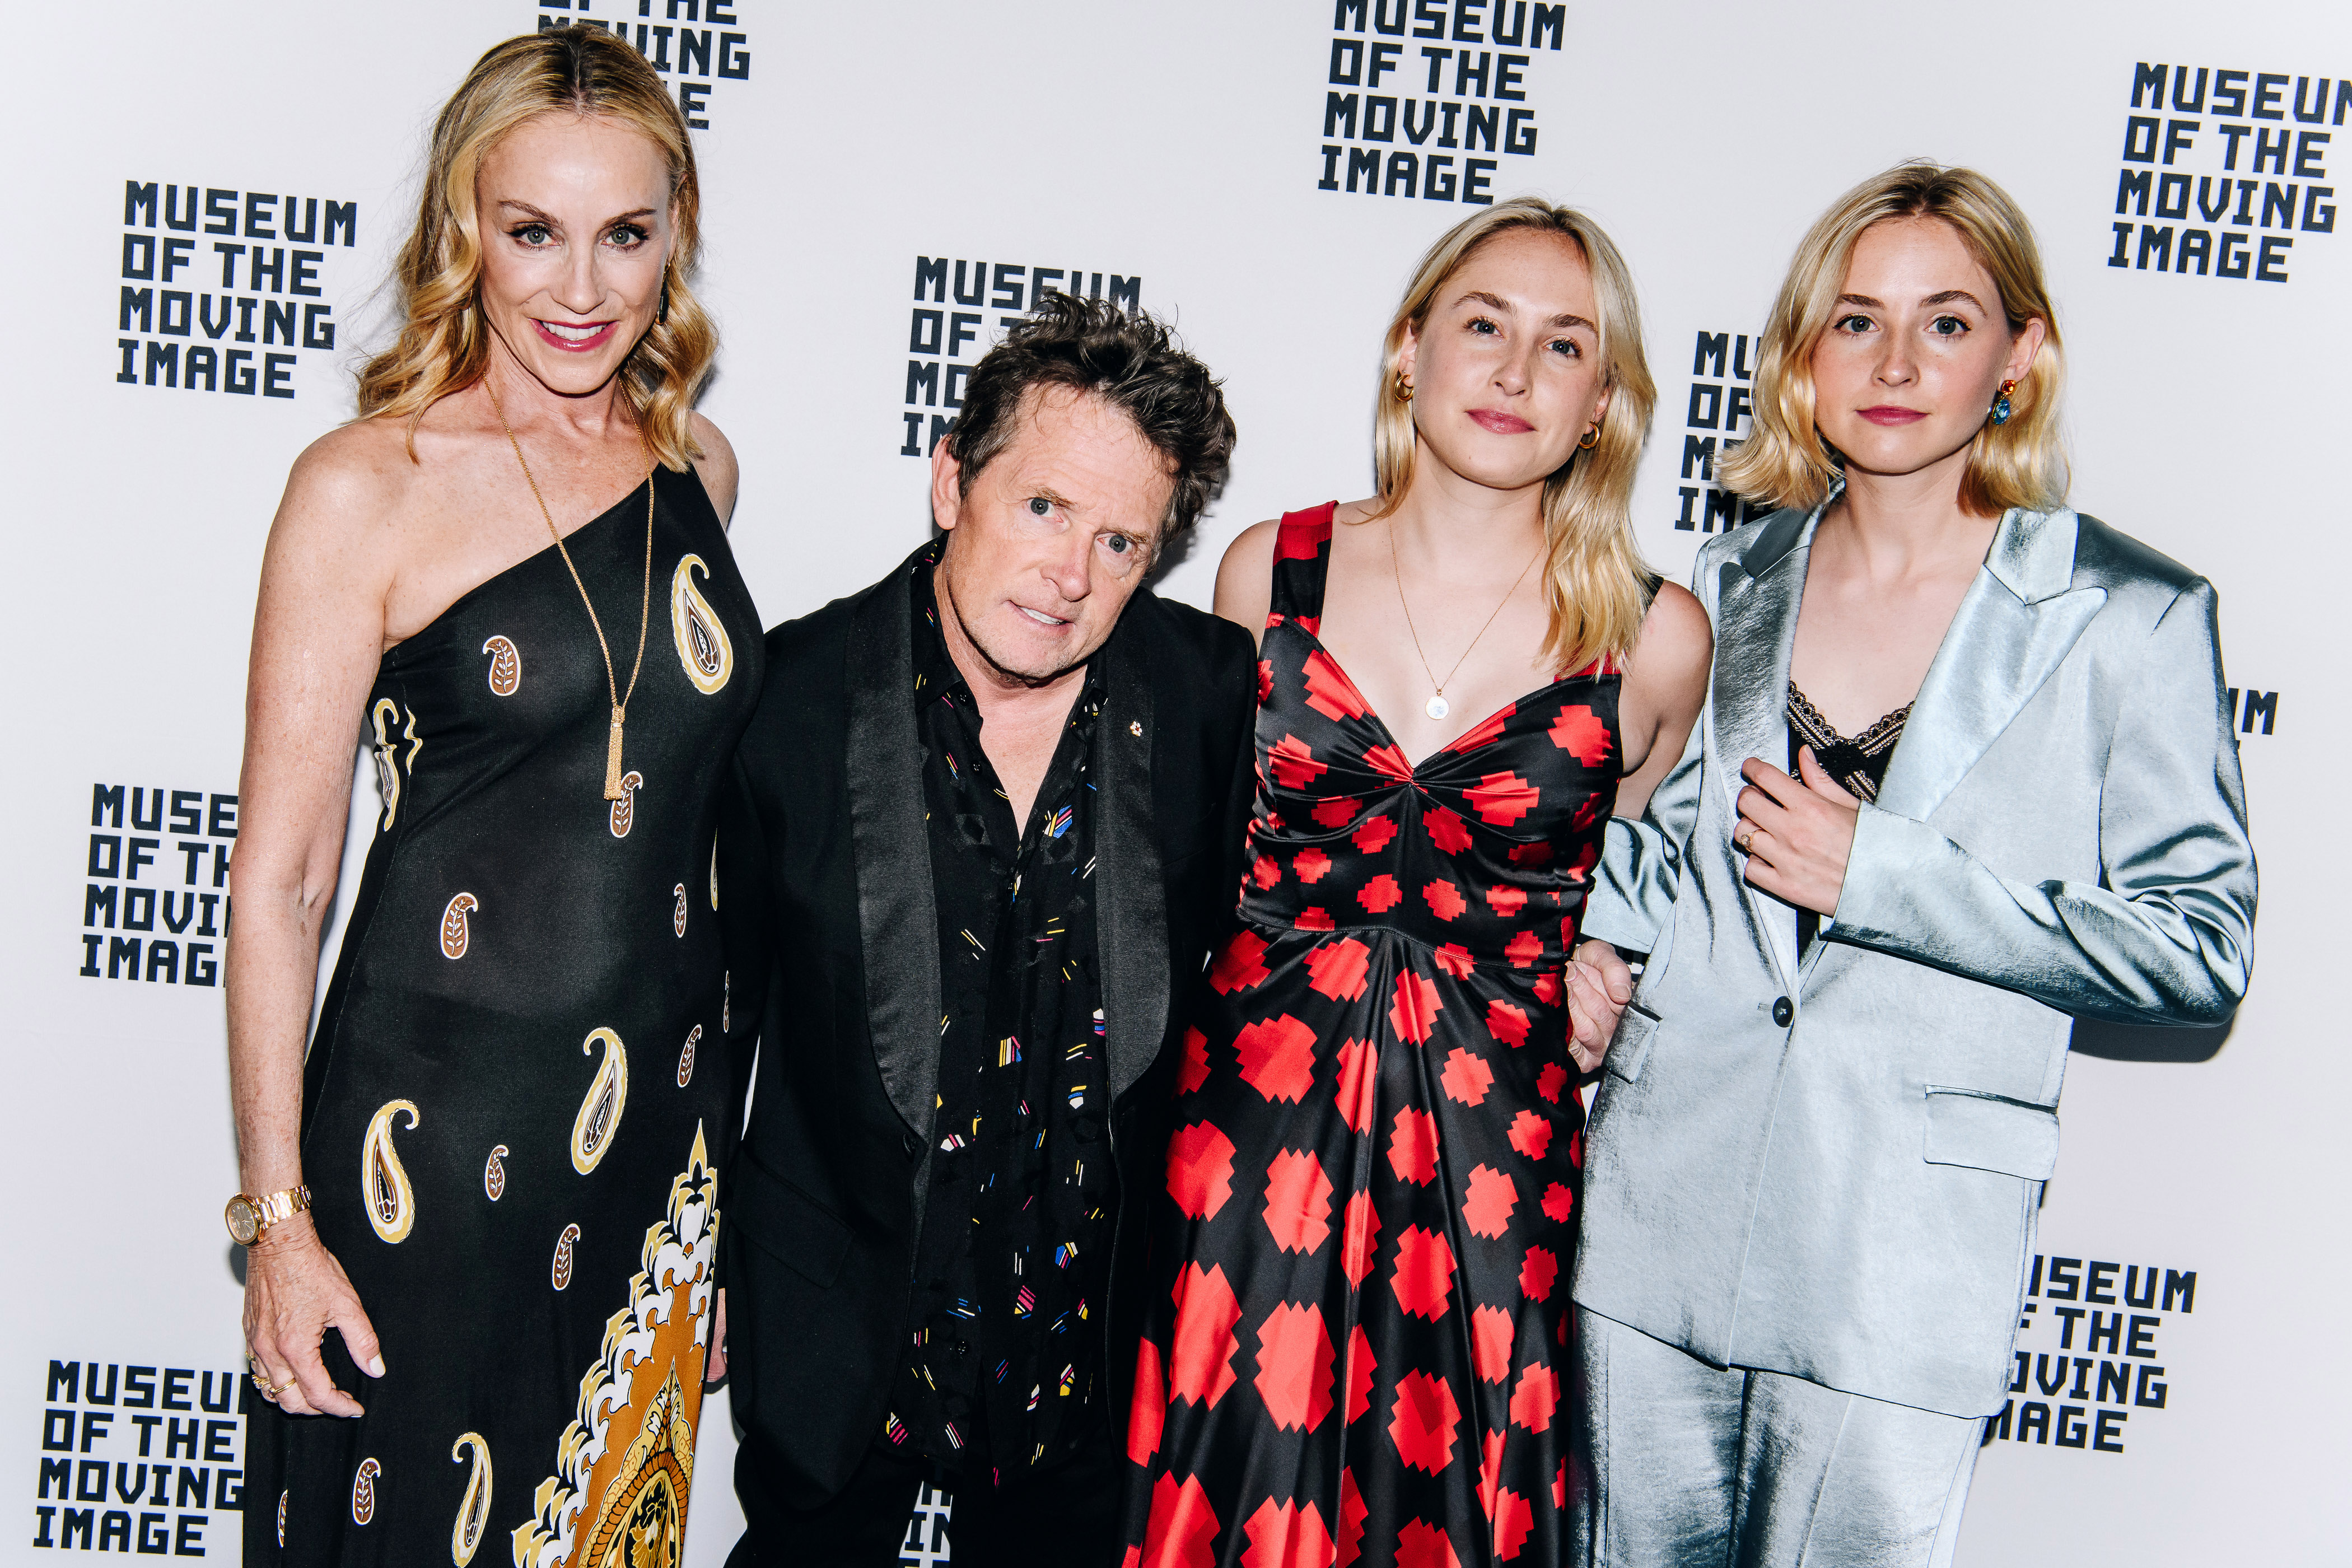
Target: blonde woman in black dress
(482, 1208)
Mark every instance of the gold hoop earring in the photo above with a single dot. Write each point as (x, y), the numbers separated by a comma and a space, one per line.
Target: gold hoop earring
(1591, 438)
(1403, 388)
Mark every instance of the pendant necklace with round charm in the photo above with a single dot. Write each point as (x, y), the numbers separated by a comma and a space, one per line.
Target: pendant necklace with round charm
(1437, 707)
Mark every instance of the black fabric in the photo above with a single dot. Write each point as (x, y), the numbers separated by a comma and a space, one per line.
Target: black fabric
(1858, 763)
(1000, 1374)
(508, 916)
(1065, 1518)
(826, 1194)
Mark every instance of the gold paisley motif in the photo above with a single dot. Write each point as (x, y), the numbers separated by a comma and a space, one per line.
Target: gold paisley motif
(564, 1246)
(703, 645)
(505, 665)
(714, 873)
(600, 1112)
(624, 1468)
(456, 932)
(383, 1181)
(625, 809)
(686, 1056)
(415, 745)
(474, 1510)
(364, 1491)
(678, 913)
(494, 1174)
(387, 769)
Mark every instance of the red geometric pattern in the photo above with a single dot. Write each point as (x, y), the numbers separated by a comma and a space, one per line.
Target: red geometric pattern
(1184, 1528)
(1413, 1147)
(1466, 1078)
(1336, 969)
(1294, 1366)
(1381, 1054)
(1487, 1209)
(1297, 1202)
(1530, 1134)
(1202, 1366)
(1422, 1421)
(1289, 1535)
(1423, 1277)
(1241, 962)
(1277, 1056)
(1415, 1011)
(1200, 1170)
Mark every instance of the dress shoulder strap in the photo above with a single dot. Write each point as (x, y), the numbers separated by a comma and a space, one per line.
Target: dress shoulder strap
(1302, 555)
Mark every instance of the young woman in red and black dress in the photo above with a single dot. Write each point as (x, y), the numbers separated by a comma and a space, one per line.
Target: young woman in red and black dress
(1358, 1334)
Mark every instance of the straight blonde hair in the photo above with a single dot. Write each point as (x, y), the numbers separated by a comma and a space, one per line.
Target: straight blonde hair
(444, 344)
(2021, 463)
(1595, 583)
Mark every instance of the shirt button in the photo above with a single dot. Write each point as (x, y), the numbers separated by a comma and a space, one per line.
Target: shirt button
(1782, 1012)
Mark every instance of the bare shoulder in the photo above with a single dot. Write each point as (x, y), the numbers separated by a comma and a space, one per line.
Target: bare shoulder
(1245, 576)
(343, 489)
(1676, 644)
(718, 466)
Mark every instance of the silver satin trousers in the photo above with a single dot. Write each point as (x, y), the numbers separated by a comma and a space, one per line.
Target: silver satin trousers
(1685, 1464)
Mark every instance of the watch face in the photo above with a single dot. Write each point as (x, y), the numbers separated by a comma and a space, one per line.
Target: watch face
(244, 1223)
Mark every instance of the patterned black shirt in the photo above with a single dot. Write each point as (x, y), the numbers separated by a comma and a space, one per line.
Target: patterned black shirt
(1004, 1368)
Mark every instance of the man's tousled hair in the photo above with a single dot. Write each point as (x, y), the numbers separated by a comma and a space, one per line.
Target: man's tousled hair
(1130, 362)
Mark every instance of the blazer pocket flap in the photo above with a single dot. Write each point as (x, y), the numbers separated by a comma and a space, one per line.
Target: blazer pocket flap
(1988, 1132)
(1629, 1048)
(788, 1225)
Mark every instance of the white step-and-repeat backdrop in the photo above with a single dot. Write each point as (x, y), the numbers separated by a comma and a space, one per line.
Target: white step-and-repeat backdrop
(210, 195)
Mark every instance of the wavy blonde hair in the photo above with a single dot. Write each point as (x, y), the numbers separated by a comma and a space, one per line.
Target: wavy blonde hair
(1596, 585)
(445, 343)
(2021, 463)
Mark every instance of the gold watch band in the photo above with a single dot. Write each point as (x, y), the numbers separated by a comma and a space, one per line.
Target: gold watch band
(249, 1218)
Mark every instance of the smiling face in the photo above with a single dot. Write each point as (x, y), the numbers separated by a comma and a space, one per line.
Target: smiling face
(576, 226)
(1053, 540)
(1505, 369)
(1904, 375)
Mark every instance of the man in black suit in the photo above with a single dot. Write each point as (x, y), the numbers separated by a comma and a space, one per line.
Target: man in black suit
(996, 803)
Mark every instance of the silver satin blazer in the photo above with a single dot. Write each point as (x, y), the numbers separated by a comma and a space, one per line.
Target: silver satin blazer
(1832, 1168)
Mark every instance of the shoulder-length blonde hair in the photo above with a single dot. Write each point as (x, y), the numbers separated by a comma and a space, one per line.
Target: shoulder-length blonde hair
(444, 344)
(1596, 585)
(2021, 463)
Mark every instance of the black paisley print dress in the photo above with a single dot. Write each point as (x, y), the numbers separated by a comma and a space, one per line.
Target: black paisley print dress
(513, 1107)
(1358, 1334)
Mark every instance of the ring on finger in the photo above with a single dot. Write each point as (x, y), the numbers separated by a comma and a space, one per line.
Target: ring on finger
(1744, 842)
(269, 1390)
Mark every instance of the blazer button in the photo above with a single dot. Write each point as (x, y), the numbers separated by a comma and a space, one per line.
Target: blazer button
(1783, 1010)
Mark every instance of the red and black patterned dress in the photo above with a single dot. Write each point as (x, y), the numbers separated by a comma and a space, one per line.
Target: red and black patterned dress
(1358, 1330)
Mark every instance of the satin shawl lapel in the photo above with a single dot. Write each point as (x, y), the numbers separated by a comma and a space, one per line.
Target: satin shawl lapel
(897, 913)
(1131, 906)
(1755, 627)
(2016, 623)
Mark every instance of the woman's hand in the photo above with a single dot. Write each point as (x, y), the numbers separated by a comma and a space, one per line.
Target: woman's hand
(294, 1292)
(1797, 836)
(1599, 986)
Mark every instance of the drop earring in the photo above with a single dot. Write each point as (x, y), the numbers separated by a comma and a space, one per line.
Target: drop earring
(661, 317)
(2000, 402)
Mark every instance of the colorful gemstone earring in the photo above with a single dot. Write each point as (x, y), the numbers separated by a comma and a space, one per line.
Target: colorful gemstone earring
(2000, 402)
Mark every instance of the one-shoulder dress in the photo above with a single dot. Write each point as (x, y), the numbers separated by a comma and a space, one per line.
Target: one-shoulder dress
(514, 1103)
(1355, 1346)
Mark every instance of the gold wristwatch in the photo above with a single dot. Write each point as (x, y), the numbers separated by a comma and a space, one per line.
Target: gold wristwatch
(249, 1218)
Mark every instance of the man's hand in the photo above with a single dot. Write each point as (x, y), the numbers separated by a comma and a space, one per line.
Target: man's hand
(1599, 986)
(1797, 836)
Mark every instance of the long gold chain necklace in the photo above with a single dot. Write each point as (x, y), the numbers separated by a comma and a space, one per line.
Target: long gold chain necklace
(645, 610)
(1437, 707)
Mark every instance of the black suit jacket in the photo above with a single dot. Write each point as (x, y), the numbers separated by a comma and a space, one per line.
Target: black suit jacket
(823, 1199)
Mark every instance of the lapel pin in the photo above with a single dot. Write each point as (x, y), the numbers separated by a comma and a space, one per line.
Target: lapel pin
(1134, 728)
